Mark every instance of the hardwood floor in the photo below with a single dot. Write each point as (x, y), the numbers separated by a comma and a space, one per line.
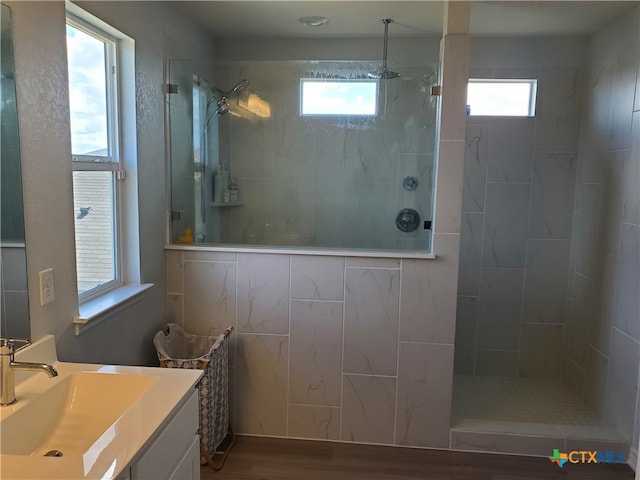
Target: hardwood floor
(255, 458)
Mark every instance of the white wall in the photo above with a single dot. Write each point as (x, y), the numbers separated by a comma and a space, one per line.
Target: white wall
(42, 92)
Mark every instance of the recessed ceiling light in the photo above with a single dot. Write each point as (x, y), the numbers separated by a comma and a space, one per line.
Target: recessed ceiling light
(313, 21)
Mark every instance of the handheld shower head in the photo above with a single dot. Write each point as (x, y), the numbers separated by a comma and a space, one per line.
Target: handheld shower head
(237, 91)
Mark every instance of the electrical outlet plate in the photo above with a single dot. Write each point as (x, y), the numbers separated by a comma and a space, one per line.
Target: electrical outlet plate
(47, 292)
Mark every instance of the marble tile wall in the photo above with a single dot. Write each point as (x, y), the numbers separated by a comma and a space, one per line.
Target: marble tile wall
(342, 348)
(603, 335)
(517, 212)
(326, 347)
(328, 181)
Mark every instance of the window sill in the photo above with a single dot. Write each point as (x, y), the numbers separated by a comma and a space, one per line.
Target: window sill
(104, 306)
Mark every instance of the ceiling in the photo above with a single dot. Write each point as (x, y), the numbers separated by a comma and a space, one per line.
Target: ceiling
(361, 18)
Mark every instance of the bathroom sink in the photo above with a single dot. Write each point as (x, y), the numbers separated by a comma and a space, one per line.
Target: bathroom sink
(79, 411)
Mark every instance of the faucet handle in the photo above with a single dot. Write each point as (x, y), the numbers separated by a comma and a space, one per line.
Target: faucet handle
(6, 342)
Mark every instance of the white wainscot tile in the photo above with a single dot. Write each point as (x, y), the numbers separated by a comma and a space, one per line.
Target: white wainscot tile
(322, 423)
(316, 352)
(373, 262)
(368, 409)
(540, 350)
(623, 384)
(466, 324)
(209, 297)
(558, 109)
(261, 384)
(263, 293)
(545, 284)
(499, 313)
(505, 229)
(554, 178)
(470, 253)
(371, 321)
(317, 278)
(511, 149)
(206, 256)
(428, 301)
(424, 395)
(627, 300)
(475, 168)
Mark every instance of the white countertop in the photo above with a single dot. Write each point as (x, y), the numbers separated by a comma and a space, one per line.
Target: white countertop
(115, 449)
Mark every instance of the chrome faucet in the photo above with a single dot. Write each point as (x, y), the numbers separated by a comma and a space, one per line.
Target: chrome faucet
(8, 367)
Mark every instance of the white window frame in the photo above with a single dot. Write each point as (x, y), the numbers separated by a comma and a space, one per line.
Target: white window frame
(533, 91)
(112, 162)
(98, 305)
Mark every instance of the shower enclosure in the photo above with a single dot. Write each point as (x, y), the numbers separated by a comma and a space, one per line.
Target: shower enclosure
(302, 154)
(546, 330)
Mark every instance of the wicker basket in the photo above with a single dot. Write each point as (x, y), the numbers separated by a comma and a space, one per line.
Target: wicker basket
(178, 349)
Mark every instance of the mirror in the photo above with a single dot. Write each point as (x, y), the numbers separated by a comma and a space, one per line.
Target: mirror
(14, 313)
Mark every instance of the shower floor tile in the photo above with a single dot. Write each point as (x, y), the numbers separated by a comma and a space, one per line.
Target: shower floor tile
(526, 400)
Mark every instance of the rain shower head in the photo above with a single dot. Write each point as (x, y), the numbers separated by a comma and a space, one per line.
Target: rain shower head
(384, 73)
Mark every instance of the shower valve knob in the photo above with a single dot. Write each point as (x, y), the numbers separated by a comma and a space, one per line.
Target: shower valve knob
(408, 220)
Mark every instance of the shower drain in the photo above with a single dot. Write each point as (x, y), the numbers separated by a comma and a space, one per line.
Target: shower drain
(53, 453)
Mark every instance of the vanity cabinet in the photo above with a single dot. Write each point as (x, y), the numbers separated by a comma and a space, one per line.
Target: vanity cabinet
(174, 452)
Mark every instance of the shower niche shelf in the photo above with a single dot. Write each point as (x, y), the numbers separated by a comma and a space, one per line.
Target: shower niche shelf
(225, 204)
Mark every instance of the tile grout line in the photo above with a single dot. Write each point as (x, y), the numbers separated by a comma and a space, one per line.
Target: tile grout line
(482, 239)
(344, 316)
(395, 413)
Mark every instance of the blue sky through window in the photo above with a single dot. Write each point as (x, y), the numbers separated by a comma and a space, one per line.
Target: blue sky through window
(87, 93)
(338, 97)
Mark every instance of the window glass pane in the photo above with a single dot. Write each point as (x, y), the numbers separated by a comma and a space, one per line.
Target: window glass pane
(94, 206)
(338, 97)
(501, 98)
(87, 93)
